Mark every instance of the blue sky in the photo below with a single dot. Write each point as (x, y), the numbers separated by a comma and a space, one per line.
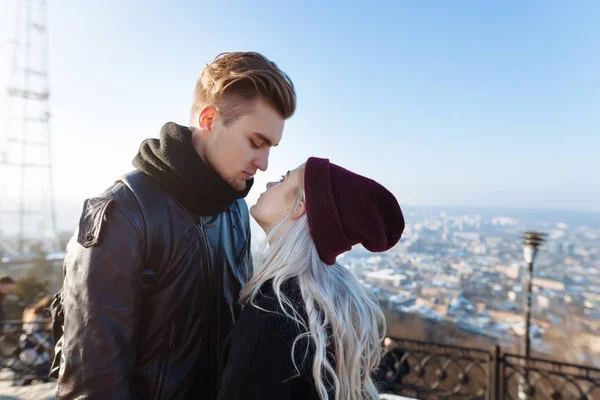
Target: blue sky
(446, 103)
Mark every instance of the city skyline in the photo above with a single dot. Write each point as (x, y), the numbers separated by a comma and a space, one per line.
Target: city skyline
(68, 215)
(469, 270)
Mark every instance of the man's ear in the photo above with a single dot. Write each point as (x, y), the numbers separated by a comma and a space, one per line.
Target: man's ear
(206, 118)
(299, 211)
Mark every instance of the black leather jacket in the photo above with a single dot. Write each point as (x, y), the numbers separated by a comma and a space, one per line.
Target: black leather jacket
(135, 331)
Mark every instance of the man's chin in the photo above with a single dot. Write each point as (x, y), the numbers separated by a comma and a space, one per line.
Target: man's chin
(239, 185)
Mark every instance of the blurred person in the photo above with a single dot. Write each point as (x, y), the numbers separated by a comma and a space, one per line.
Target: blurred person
(7, 287)
(35, 343)
(152, 274)
(310, 329)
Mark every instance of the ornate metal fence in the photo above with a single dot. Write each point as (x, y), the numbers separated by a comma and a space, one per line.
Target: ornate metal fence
(412, 368)
(26, 349)
(548, 379)
(432, 371)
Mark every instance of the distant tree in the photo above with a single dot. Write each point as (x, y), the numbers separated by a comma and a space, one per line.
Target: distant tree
(36, 247)
(28, 290)
(31, 288)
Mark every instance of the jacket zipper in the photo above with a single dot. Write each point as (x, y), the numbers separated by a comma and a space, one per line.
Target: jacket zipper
(172, 334)
(212, 336)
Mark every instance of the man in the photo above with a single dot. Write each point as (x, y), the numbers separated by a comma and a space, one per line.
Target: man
(7, 287)
(153, 273)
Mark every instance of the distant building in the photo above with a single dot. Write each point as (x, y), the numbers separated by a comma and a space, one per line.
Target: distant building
(555, 247)
(385, 276)
(550, 284)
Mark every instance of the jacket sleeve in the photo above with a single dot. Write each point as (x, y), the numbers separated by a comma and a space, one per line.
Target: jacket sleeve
(258, 363)
(101, 300)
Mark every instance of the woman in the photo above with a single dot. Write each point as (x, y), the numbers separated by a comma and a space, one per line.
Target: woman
(310, 330)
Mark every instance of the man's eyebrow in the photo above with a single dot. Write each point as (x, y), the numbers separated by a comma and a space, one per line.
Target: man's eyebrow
(265, 139)
(287, 174)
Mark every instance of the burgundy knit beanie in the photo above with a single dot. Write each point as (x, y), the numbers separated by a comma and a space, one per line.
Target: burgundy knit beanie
(344, 208)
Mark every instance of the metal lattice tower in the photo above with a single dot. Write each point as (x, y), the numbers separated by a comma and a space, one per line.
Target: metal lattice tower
(27, 211)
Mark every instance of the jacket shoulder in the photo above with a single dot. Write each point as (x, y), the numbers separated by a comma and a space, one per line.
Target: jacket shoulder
(97, 210)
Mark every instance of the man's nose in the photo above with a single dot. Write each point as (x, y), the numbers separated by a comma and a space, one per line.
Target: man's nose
(270, 185)
(262, 161)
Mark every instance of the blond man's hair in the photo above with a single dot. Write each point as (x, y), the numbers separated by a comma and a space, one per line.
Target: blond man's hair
(234, 80)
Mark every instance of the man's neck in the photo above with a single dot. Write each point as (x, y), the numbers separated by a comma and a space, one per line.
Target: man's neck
(175, 161)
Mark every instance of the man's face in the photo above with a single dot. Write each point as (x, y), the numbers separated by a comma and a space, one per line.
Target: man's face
(7, 288)
(238, 150)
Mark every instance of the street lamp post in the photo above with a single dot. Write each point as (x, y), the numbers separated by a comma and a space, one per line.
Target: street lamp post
(531, 243)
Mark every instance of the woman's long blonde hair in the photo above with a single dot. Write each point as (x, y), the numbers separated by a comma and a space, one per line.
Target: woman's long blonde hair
(342, 316)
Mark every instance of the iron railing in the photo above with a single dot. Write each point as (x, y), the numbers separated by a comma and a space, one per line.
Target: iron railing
(411, 368)
(27, 350)
(548, 379)
(432, 371)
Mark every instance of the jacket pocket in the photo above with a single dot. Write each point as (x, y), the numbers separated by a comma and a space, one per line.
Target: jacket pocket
(163, 362)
